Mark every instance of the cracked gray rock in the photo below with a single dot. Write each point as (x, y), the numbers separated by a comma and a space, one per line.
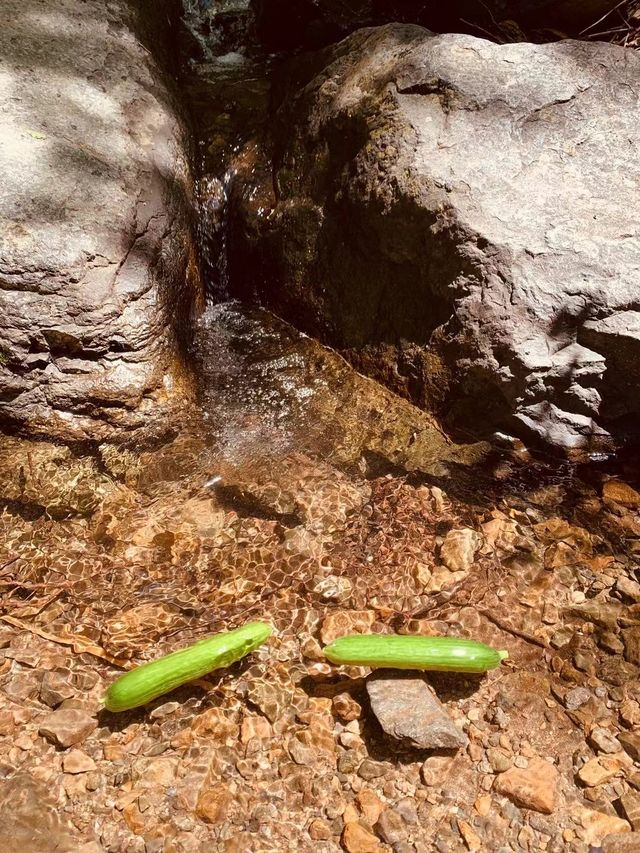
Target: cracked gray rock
(456, 216)
(94, 206)
(407, 709)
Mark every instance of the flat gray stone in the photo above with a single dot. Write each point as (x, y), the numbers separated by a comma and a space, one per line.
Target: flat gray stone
(407, 708)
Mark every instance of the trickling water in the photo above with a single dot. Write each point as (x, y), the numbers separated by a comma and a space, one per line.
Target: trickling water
(228, 87)
(213, 233)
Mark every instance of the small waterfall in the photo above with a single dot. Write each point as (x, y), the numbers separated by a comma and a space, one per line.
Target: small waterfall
(227, 80)
(213, 233)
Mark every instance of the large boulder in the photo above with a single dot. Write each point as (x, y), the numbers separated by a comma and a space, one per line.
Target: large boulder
(458, 217)
(97, 272)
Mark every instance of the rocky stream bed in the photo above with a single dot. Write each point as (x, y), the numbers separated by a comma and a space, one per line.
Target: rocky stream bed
(448, 214)
(348, 513)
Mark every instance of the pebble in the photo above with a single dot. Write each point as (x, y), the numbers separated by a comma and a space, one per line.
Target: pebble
(499, 760)
(630, 713)
(213, 803)
(348, 761)
(599, 770)
(356, 838)
(391, 827)
(475, 751)
(483, 805)
(302, 753)
(149, 772)
(459, 549)
(628, 588)
(621, 493)
(55, 687)
(408, 709)
(435, 769)
(470, 836)
(350, 740)
(22, 685)
(333, 588)
(422, 574)
(630, 803)
(561, 637)
(67, 726)
(407, 810)
(341, 622)
(597, 825)
(345, 707)
(585, 662)
(369, 770)
(631, 744)
(255, 727)
(621, 842)
(370, 805)
(319, 829)
(501, 719)
(164, 710)
(532, 788)
(77, 761)
(631, 640)
(604, 741)
(576, 698)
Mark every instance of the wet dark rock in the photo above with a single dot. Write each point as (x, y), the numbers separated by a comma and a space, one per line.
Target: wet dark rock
(400, 256)
(407, 709)
(97, 268)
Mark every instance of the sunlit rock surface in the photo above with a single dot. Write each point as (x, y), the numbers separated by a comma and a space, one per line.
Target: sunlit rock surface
(96, 270)
(457, 216)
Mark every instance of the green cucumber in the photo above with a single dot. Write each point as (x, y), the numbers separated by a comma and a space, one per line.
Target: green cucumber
(153, 679)
(444, 654)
